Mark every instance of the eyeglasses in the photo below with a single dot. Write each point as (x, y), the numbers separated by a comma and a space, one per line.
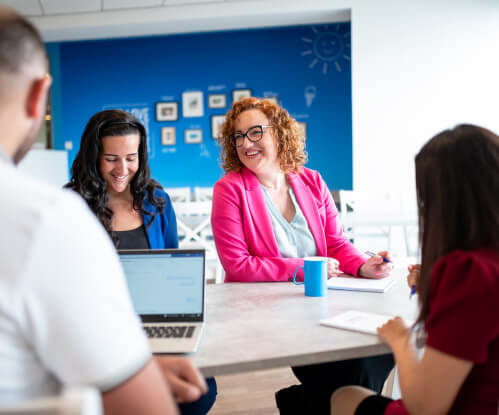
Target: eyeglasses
(254, 134)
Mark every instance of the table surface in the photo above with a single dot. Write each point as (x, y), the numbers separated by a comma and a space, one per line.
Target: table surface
(256, 326)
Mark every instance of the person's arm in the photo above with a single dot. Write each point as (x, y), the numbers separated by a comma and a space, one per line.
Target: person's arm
(146, 392)
(430, 385)
(171, 235)
(239, 263)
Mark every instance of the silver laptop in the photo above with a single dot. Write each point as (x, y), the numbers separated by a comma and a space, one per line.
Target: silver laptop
(167, 289)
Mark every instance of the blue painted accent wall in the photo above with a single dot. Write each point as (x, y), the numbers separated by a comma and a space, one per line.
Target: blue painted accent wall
(307, 67)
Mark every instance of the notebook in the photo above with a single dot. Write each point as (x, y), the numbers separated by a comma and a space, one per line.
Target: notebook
(360, 284)
(359, 321)
(167, 289)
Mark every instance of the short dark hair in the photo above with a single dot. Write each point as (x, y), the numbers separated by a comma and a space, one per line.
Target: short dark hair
(86, 178)
(457, 185)
(20, 42)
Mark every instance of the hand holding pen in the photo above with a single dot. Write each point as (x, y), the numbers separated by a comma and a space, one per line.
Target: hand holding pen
(413, 277)
(377, 266)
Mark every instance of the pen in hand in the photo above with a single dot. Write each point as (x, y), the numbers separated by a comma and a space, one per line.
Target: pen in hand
(369, 253)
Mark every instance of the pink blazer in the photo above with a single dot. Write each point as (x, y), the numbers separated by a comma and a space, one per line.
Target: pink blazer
(244, 236)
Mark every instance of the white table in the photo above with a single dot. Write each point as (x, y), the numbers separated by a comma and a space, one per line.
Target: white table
(255, 326)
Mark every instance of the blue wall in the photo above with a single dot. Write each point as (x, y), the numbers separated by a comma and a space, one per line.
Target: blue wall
(295, 63)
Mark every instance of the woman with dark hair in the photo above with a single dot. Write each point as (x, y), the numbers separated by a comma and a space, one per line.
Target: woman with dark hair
(269, 212)
(457, 183)
(111, 172)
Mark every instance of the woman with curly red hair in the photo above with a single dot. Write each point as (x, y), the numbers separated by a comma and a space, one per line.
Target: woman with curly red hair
(269, 212)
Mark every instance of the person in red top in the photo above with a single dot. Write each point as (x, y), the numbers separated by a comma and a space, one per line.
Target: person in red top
(457, 182)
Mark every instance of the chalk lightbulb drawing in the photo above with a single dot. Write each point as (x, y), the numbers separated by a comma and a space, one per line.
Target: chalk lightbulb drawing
(328, 46)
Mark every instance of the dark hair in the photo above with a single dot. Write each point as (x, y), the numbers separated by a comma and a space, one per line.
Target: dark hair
(291, 143)
(86, 178)
(20, 42)
(457, 184)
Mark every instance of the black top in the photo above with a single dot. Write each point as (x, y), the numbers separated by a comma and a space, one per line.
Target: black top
(132, 239)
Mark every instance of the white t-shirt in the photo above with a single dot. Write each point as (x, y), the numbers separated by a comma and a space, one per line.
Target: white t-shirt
(65, 312)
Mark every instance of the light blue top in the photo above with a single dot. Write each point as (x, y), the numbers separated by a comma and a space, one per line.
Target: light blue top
(294, 239)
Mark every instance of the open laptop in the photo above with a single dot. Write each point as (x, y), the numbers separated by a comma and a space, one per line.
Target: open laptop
(167, 289)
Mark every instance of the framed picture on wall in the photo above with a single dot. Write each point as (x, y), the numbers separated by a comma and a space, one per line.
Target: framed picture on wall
(192, 104)
(216, 125)
(193, 136)
(217, 101)
(167, 111)
(303, 130)
(168, 136)
(237, 94)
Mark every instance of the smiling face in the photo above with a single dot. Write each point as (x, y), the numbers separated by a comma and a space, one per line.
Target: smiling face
(262, 156)
(119, 161)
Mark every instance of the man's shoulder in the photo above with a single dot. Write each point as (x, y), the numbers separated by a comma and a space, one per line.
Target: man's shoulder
(24, 193)
(30, 207)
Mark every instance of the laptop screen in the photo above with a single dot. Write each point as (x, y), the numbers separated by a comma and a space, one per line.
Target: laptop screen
(165, 285)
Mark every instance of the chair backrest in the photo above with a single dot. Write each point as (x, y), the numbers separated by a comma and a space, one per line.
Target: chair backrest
(179, 194)
(203, 194)
(72, 401)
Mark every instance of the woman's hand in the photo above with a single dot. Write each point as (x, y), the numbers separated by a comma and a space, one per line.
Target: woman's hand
(333, 268)
(375, 267)
(394, 332)
(413, 277)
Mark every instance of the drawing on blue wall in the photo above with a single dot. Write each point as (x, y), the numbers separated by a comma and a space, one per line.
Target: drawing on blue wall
(204, 151)
(194, 136)
(166, 111)
(284, 75)
(168, 136)
(217, 101)
(310, 94)
(237, 94)
(216, 126)
(192, 104)
(329, 46)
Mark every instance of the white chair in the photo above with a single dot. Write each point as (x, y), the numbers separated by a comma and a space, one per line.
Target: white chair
(194, 231)
(179, 194)
(203, 194)
(72, 401)
(379, 219)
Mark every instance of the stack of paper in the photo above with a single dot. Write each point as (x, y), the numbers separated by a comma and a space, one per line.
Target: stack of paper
(360, 284)
(358, 321)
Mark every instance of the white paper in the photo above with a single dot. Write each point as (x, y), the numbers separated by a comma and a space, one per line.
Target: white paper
(359, 321)
(360, 284)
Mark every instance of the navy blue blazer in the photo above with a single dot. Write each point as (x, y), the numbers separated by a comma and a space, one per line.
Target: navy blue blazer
(162, 233)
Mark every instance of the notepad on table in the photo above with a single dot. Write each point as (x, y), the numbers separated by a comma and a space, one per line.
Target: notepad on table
(358, 321)
(360, 284)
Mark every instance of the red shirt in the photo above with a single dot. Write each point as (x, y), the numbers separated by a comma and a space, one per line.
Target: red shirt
(463, 321)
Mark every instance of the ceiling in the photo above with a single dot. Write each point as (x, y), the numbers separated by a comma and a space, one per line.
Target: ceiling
(60, 20)
(58, 7)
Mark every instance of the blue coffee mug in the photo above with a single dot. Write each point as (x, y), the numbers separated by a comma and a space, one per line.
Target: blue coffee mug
(315, 270)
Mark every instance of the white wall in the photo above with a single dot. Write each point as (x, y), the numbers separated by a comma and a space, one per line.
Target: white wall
(418, 67)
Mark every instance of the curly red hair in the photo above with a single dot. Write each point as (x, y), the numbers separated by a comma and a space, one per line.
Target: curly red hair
(291, 143)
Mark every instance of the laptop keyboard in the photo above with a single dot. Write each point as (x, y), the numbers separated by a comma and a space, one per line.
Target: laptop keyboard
(159, 332)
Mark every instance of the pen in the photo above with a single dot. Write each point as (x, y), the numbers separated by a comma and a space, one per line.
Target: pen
(413, 291)
(373, 254)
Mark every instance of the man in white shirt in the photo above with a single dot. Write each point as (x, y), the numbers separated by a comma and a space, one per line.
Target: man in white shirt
(65, 314)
